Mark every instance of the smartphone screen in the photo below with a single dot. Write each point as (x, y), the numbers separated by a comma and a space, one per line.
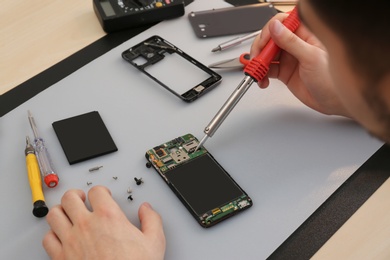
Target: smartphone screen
(199, 181)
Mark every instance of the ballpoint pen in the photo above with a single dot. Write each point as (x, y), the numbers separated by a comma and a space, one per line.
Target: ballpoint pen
(235, 41)
(256, 70)
(34, 176)
(45, 164)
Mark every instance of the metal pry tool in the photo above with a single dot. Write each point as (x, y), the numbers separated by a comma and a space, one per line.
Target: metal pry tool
(235, 41)
(256, 70)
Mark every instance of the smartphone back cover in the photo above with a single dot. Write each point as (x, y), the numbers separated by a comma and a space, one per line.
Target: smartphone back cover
(231, 20)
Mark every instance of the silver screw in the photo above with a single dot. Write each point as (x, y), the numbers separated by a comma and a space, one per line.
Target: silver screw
(115, 177)
(89, 183)
(95, 168)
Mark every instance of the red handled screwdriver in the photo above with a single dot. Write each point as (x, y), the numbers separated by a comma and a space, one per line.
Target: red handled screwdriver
(50, 177)
(256, 70)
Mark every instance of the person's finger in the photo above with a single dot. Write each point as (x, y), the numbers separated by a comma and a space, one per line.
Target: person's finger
(255, 47)
(264, 83)
(52, 245)
(151, 224)
(288, 41)
(273, 71)
(100, 199)
(73, 203)
(262, 39)
(58, 221)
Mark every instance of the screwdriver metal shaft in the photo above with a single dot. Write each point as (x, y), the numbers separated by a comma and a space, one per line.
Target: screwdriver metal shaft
(230, 103)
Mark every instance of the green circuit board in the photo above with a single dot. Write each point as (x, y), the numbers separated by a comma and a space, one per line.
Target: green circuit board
(175, 152)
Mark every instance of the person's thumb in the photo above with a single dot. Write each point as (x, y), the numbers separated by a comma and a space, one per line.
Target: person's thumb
(151, 223)
(287, 40)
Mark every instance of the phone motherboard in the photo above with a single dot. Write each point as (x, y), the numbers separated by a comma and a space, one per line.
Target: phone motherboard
(199, 181)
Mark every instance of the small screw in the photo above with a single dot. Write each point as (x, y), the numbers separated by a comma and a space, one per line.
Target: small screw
(138, 181)
(148, 164)
(129, 190)
(115, 178)
(130, 197)
(89, 183)
(95, 168)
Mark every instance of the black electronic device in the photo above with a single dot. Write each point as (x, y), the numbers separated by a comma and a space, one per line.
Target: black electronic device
(115, 15)
(172, 68)
(231, 20)
(198, 180)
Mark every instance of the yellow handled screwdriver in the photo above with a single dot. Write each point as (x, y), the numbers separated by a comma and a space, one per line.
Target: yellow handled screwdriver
(34, 176)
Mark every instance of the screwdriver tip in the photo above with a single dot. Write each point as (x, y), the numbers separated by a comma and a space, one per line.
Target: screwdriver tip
(201, 142)
(216, 49)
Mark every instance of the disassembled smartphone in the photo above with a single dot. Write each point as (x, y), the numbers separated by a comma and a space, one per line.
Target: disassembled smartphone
(198, 180)
(173, 69)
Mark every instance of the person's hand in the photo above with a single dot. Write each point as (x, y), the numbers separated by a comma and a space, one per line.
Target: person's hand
(303, 66)
(104, 232)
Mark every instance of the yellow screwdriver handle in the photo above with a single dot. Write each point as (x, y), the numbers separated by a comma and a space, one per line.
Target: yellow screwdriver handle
(34, 176)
